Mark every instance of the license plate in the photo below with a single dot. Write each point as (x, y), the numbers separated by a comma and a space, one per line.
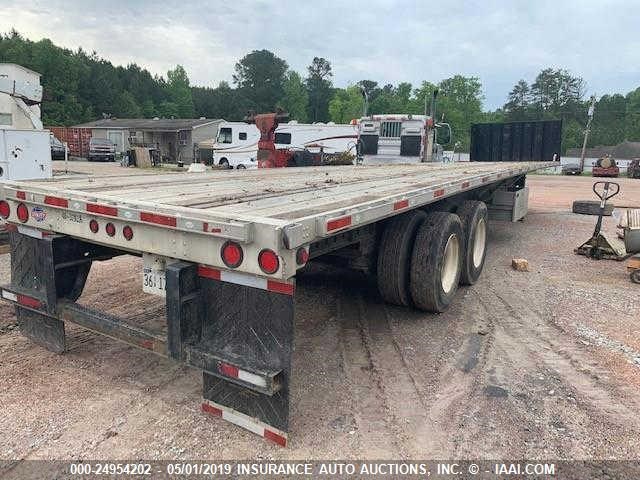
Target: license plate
(153, 281)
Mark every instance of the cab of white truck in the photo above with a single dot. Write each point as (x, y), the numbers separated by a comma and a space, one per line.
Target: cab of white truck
(400, 138)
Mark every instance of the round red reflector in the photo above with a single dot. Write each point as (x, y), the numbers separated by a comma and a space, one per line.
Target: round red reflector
(5, 209)
(231, 254)
(127, 231)
(110, 229)
(94, 226)
(268, 261)
(23, 212)
(302, 256)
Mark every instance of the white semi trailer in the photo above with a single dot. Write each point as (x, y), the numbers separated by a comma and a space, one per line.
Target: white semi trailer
(223, 249)
(25, 147)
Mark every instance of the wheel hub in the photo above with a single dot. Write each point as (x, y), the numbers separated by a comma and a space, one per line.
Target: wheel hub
(450, 263)
(479, 243)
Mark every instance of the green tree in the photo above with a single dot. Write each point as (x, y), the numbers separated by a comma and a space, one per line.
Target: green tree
(608, 126)
(179, 92)
(260, 77)
(126, 106)
(295, 97)
(370, 88)
(556, 91)
(319, 89)
(518, 102)
(460, 102)
(632, 116)
(220, 102)
(346, 104)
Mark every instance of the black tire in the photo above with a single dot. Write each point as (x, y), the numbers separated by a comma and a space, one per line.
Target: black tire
(394, 257)
(430, 290)
(224, 163)
(241, 167)
(474, 218)
(591, 207)
(635, 276)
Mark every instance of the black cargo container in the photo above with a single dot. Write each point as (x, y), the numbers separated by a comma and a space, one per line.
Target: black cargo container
(516, 141)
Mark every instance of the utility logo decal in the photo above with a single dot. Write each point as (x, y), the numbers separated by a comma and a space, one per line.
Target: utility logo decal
(38, 214)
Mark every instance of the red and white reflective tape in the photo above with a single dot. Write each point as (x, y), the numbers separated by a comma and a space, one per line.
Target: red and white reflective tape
(127, 214)
(33, 232)
(240, 278)
(335, 224)
(232, 371)
(245, 421)
(370, 213)
(24, 300)
(400, 204)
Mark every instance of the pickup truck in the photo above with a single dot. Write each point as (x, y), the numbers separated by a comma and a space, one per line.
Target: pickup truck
(101, 149)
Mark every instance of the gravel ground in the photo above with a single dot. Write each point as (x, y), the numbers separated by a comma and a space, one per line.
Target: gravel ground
(540, 364)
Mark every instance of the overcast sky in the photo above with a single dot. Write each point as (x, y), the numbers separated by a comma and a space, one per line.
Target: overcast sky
(389, 42)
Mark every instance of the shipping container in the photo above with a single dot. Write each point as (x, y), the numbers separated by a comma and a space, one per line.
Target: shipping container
(516, 141)
(77, 139)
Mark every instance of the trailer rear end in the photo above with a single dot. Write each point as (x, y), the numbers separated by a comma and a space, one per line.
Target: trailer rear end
(221, 252)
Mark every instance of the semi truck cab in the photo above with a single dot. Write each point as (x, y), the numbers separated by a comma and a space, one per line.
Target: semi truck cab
(400, 138)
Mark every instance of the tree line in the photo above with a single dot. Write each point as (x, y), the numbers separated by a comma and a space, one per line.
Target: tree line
(81, 86)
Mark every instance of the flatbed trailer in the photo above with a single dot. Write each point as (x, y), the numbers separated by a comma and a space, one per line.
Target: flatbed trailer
(224, 248)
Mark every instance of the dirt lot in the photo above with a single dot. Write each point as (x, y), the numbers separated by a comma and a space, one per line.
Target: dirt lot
(539, 364)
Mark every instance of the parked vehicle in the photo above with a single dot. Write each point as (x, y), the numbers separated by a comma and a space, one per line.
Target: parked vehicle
(101, 150)
(633, 170)
(400, 138)
(236, 145)
(57, 148)
(572, 169)
(605, 167)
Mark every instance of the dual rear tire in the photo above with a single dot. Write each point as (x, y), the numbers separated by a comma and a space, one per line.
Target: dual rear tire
(424, 257)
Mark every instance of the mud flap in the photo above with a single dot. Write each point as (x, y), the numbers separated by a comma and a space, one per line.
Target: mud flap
(44, 270)
(252, 330)
(43, 330)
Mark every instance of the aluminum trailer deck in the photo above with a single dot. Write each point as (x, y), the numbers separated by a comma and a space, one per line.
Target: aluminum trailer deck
(229, 245)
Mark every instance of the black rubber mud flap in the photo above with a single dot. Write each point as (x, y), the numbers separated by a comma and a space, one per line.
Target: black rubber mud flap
(46, 270)
(250, 329)
(43, 330)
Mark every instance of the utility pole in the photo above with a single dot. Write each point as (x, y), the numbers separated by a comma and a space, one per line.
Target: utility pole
(587, 130)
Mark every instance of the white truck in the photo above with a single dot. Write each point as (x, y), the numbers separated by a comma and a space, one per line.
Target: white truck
(404, 138)
(236, 145)
(25, 146)
(224, 248)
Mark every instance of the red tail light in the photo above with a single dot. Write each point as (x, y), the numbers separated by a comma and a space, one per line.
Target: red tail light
(232, 254)
(268, 261)
(23, 212)
(5, 209)
(110, 229)
(94, 226)
(127, 232)
(302, 256)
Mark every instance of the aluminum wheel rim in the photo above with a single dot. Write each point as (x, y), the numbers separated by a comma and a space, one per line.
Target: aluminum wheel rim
(479, 243)
(450, 263)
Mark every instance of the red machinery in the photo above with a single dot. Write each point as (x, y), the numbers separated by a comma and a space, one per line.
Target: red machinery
(268, 155)
(271, 157)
